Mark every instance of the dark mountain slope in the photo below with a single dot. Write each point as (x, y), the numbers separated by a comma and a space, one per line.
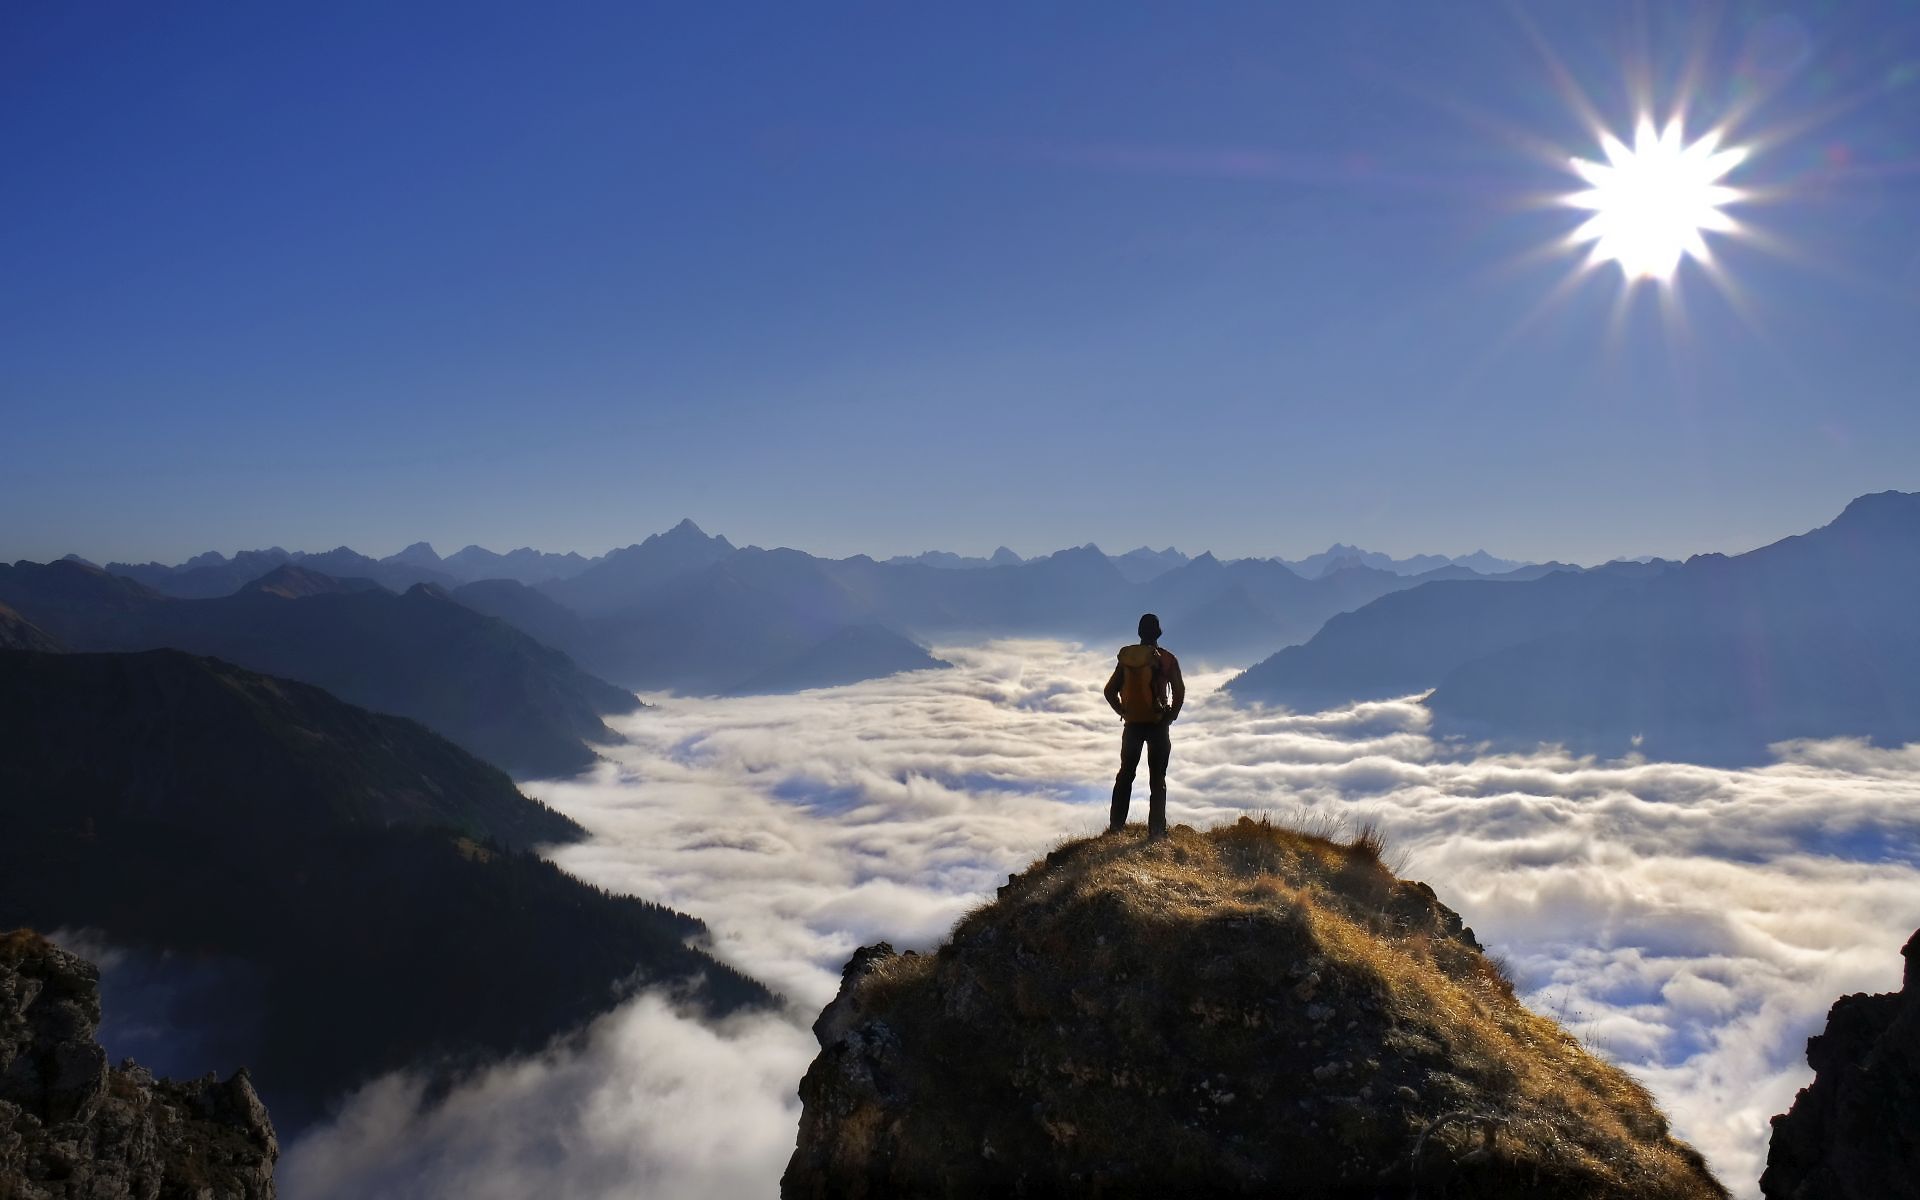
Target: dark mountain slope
(353, 875)
(479, 681)
(127, 728)
(74, 603)
(18, 633)
(533, 613)
(1407, 641)
(1812, 636)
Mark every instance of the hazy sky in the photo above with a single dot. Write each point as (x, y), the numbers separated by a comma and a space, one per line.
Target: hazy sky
(882, 278)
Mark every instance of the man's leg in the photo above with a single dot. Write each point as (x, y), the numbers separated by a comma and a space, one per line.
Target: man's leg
(1134, 737)
(1159, 750)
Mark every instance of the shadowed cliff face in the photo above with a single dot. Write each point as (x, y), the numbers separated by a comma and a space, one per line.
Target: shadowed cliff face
(1244, 1011)
(1854, 1132)
(360, 887)
(70, 1126)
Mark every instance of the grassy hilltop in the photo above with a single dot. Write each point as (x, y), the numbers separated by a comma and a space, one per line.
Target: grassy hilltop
(1245, 1010)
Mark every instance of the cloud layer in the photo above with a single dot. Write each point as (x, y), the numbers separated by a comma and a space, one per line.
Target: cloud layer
(1692, 923)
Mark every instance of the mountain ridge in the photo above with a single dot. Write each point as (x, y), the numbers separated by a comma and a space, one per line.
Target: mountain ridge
(365, 890)
(482, 682)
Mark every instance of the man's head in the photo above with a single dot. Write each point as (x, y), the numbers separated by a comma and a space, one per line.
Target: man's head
(1149, 627)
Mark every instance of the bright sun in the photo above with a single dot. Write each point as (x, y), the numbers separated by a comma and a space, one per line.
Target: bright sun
(1653, 204)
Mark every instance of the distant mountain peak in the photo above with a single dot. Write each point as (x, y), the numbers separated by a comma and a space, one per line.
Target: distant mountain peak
(1882, 512)
(419, 554)
(1076, 553)
(686, 533)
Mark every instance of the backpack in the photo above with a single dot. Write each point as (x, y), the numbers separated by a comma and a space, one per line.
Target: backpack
(1140, 688)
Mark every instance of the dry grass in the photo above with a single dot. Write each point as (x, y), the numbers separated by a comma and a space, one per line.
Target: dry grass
(1097, 940)
(17, 944)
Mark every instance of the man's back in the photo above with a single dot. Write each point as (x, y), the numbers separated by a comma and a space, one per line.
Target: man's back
(1147, 685)
(1145, 691)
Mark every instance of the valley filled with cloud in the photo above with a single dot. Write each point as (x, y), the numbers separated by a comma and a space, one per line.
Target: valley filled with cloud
(1692, 923)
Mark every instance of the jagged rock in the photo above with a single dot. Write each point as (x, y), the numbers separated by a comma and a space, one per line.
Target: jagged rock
(71, 1128)
(1854, 1132)
(843, 1012)
(1246, 1011)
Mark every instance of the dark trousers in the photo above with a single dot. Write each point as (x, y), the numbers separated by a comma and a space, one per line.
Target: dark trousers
(1159, 746)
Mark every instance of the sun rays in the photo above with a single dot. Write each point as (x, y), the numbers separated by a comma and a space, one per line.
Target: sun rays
(1654, 202)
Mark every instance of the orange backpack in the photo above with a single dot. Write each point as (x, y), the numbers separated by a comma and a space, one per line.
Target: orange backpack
(1140, 685)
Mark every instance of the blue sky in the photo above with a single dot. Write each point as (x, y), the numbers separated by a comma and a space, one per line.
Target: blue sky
(883, 278)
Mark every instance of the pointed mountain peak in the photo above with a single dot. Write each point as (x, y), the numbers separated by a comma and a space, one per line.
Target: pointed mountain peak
(687, 533)
(418, 554)
(1003, 557)
(85, 562)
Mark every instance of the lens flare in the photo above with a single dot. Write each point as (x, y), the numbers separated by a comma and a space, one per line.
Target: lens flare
(1654, 203)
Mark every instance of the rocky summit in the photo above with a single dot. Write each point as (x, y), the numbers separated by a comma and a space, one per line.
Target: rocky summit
(1852, 1134)
(1249, 1010)
(71, 1127)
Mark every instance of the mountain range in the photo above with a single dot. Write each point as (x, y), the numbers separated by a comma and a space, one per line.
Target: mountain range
(1338, 556)
(212, 574)
(1001, 557)
(684, 611)
(1711, 660)
(482, 683)
(321, 892)
(689, 611)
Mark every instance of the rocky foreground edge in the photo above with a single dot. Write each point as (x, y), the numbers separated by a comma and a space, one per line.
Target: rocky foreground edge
(73, 1127)
(1245, 1011)
(1854, 1132)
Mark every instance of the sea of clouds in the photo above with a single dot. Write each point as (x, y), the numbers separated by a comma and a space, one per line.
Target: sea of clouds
(1693, 924)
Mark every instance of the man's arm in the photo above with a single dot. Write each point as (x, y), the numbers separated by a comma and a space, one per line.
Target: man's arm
(1112, 693)
(1179, 687)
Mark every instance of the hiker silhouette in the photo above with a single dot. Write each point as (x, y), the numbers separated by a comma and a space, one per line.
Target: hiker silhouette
(1146, 691)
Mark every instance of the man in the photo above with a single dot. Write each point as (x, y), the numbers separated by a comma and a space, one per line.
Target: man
(1146, 692)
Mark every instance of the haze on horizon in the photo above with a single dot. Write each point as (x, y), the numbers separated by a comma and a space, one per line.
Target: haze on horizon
(879, 281)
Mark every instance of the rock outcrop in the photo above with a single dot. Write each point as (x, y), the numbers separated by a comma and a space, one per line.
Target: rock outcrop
(1245, 1011)
(71, 1127)
(1854, 1132)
